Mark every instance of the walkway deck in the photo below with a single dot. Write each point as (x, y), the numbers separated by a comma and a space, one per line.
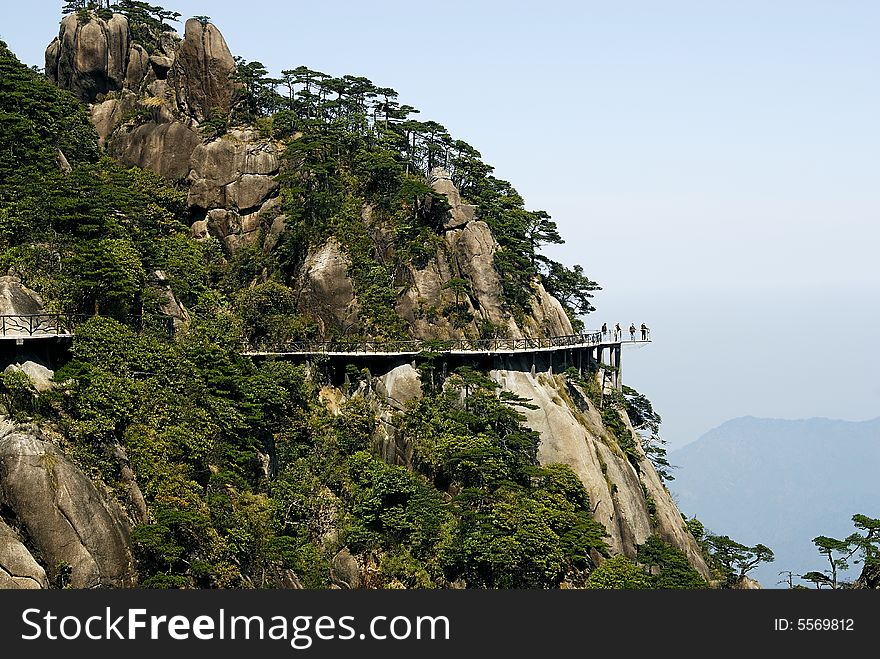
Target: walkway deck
(456, 347)
(28, 327)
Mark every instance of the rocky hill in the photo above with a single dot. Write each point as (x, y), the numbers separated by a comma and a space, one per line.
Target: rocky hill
(252, 220)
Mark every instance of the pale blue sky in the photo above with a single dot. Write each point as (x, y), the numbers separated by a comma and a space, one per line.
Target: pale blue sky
(711, 164)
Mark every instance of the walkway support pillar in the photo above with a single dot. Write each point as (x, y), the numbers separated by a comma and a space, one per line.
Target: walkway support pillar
(618, 380)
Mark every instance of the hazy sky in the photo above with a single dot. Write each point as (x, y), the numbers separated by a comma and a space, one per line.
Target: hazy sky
(713, 165)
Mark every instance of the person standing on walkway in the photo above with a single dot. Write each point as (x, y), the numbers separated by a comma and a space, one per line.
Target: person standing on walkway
(644, 332)
(632, 331)
(617, 331)
(604, 330)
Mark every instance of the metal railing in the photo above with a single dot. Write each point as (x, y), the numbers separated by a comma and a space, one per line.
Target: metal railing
(441, 346)
(60, 324)
(38, 324)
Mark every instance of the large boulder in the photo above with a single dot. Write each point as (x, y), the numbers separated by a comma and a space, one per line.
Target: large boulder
(345, 572)
(108, 115)
(400, 385)
(236, 171)
(39, 374)
(274, 232)
(17, 299)
(90, 57)
(396, 389)
(138, 67)
(164, 148)
(233, 181)
(18, 568)
(68, 522)
(201, 73)
(169, 305)
(236, 229)
(459, 213)
(326, 289)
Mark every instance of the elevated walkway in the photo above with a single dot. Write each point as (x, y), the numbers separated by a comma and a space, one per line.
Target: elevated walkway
(452, 347)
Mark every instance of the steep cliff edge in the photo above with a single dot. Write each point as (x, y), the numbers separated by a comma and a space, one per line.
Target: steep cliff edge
(629, 499)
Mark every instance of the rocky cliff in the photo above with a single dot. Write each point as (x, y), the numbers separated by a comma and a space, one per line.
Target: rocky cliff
(149, 111)
(466, 252)
(628, 497)
(154, 107)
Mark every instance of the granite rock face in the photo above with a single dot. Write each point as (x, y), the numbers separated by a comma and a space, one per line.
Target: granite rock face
(432, 309)
(326, 289)
(18, 569)
(148, 109)
(233, 181)
(66, 519)
(132, 107)
(234, 171)
(89, 58)
(572, 433)
(201, 72)
(39, 374)
(459, 213)
(18, 299)
(164, 148)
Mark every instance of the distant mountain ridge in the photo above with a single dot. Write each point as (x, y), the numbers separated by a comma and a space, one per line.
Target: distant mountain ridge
(781, 483)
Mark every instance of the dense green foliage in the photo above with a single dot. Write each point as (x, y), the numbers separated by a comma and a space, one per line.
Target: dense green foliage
(247, 475)
(668, 566)
(358, 148)
(618, 573)
(86, 239)
(36, 121)
(249, 480)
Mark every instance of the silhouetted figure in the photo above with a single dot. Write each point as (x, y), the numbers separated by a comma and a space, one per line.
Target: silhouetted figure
(604, 330)
(644, 332)
(632, 331)
(617, 331)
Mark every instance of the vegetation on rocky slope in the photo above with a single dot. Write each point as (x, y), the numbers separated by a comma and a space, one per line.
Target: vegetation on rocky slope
(267, 473)
(247, 477)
